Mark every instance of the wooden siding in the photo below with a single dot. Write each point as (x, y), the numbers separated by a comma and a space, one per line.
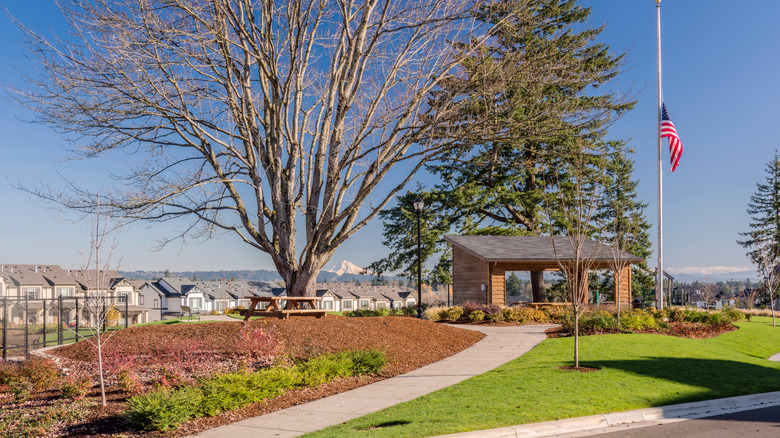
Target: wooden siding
(625, 285)
(469, 273)
(498, 285)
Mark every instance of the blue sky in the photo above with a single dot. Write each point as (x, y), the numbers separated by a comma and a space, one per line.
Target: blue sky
(720, 63)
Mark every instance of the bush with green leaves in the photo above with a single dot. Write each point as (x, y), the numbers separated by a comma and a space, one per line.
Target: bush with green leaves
(366, 361)
(476, 316)
(225, 392)
(315, 372)
(454, 313)
(230, 391)
(638, 320)
(164, 409)
(75, 387)
(732, 314)
(42, 373)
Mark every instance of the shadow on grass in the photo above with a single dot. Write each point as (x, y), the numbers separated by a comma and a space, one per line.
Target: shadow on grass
(720, 378)
(387, 424)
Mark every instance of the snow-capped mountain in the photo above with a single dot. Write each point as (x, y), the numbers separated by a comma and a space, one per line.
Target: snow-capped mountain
(348, 267)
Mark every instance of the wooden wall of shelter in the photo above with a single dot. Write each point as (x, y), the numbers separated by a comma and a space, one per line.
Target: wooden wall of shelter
(483, 281)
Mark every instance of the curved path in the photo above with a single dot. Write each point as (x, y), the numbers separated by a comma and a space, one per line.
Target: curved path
(500, 345)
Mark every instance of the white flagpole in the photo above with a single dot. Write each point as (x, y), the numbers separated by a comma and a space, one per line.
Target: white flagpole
(659, 281)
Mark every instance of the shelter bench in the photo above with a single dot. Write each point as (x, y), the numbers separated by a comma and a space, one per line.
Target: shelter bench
(187, 310)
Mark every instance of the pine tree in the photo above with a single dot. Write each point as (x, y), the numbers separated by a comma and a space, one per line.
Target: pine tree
(622, 219)
(529, 99)
(513, 285)
(764, 211)
(400, 234)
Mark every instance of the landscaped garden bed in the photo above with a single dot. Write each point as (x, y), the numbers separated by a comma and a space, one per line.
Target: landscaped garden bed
(632, 371)
(157, 361)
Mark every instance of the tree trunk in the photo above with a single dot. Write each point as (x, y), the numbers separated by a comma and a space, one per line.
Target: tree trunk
(576, 339)
(537, 286)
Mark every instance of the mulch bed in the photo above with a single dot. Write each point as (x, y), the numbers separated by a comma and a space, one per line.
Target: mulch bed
(408, 343)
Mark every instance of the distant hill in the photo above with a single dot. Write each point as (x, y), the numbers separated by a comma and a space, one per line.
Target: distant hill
(246, 275)
(346, 271)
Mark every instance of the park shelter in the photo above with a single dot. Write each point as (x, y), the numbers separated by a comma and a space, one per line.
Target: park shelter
(480, 263)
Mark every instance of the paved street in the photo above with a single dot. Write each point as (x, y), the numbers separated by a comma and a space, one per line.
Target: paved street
(764, 422)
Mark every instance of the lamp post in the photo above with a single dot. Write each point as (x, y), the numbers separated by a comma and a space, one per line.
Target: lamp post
(418, 208)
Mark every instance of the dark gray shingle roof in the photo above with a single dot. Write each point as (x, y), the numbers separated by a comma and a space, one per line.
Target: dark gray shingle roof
(529, 248)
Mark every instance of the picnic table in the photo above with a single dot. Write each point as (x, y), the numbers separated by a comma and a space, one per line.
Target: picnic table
(538, 305)
(295, 306)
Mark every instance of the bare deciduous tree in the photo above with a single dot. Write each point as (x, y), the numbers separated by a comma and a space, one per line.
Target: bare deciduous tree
(98, 304)
(575, 253)
(247, 116)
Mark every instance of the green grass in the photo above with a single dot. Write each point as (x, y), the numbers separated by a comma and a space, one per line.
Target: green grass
(637, 371)
(69, 335)
(172, 321)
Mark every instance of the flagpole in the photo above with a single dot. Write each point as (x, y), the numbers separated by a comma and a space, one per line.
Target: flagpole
(659, 281)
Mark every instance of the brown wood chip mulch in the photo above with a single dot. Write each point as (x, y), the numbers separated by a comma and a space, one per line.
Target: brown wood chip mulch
(408, 342)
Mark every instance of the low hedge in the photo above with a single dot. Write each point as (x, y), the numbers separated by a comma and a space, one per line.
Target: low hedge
(165, 409)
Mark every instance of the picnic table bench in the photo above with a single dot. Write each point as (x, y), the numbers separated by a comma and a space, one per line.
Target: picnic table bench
(295, 306)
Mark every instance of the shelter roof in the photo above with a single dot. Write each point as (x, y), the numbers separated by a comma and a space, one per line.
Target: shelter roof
(534, 249)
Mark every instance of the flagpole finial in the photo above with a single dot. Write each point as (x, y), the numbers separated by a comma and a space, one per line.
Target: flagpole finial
(657, 2)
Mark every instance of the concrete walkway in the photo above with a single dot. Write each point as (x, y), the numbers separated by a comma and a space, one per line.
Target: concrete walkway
(500, 345)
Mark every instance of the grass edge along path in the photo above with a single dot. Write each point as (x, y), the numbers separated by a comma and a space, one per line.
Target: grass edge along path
(637, 371)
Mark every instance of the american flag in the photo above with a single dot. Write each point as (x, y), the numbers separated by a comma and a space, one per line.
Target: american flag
(675, 145)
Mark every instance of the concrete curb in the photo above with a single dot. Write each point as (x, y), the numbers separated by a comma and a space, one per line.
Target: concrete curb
(637, 418)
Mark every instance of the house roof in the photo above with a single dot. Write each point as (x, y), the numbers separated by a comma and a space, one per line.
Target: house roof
(535, 249)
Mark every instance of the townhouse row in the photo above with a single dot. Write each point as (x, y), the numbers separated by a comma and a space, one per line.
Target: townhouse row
(139, 301)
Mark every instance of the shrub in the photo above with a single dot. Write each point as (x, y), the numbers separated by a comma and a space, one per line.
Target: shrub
(433, 313)
(732, 314)
(383, 311)
(638, 320)
(493, 317)
(20, 388)
(230, 391)
(509, 314)
(597, 322)
(476, 316)
(454, 313)
(8, 372)
(75, 388)
(409, 310)
(319, 370)
(42, 373)
(366, 361)
(163, 409)
(675, 314)
(129, 381)
(258, 344)
(555, 314)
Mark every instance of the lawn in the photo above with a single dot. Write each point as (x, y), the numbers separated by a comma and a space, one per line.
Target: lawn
(637, 371)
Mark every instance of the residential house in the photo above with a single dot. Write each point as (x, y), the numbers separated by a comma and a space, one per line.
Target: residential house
(35, 287)
(166, 295)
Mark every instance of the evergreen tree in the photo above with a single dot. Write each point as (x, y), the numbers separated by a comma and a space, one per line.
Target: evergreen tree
(400, 234)
(764, 211)
(529, 99)
(622, 220)
(506, 184)
(513, 285)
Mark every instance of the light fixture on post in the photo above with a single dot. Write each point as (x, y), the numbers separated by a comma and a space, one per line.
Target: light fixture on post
(418, 208)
